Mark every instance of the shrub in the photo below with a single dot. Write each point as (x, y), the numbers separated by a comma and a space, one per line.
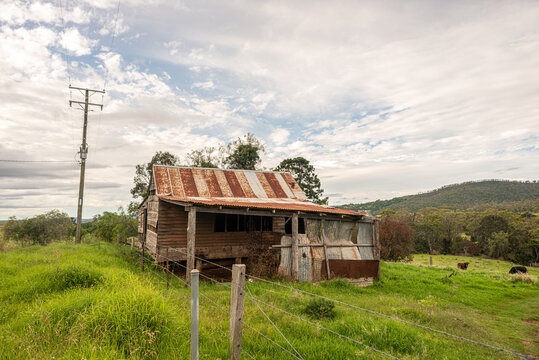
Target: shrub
(525, 278)
(110, 226)
(40, 230)
(396, 240)
(320, 309)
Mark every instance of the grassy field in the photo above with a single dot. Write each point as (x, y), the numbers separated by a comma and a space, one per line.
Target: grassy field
(477, 264)
(93, 301)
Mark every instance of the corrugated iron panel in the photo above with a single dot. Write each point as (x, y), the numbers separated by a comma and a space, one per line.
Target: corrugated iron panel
(284, 185)
(275, 185)
(213, 184)
(200, 182)
(234, 184)
(298, 193)
(223, 183)
(265, 185)
(175, 180)
(255, 185)
(189, 185)
(244, 183)
(162, 182)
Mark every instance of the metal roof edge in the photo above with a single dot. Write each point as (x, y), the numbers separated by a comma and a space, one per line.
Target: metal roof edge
(204, 168)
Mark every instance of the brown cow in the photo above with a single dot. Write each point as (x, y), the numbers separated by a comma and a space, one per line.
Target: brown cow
(463, 266)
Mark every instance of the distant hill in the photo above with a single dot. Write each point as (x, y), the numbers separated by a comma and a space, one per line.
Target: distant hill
(458, 196)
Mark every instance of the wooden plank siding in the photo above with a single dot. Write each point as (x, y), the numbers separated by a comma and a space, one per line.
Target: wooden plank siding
(172, 232)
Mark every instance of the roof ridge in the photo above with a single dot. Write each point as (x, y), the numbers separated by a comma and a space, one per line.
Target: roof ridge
(204, 168)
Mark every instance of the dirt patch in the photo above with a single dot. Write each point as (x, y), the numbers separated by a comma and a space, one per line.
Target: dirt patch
(530, 321)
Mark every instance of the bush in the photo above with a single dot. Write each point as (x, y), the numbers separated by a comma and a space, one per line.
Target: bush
(40, 230)
(111, 226)
(525, 278)
(396, 240)
(320, 309)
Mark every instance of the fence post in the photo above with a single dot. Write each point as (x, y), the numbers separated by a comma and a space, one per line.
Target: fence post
(430, 260)
(143, 256)
(167, 268)
(194, 314)
(236, 310)
(132, 241)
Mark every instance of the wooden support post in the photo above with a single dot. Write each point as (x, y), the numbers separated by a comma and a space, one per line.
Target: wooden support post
(167, 270)
(194, 276)
(236, 310)
(198, 264)
(191, 231)
(294, 251)
(430, 261)
(325, 248)
(238, 260)
(132, 241)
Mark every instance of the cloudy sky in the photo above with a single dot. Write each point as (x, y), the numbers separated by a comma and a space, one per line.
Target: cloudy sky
(386, 98)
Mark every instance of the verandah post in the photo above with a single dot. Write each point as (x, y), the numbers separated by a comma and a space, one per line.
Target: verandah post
(237, 293)
(194, 276)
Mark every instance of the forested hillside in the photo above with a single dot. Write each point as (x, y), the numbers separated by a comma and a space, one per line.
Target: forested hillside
(460, 196)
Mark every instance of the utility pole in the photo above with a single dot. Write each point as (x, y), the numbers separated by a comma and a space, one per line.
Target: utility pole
(83, 150)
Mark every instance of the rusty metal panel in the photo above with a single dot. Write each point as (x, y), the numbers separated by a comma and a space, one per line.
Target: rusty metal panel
(245, 185)
(200, 182)
(298, 193)
(176, 181)
(162, 181)
(284, 185)
(275, 185)
(351, 268)
(213, 184)
(266, 185)
(188, 180)
(255, 185)
(223, 183)
(234, 184)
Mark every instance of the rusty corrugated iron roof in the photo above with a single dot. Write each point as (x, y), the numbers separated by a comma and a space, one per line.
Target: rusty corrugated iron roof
(236, 188)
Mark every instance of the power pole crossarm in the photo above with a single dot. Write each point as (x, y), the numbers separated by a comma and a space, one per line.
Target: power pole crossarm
(83, 153)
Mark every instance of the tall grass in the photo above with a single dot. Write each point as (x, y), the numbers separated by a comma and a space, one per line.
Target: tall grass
(93, 301)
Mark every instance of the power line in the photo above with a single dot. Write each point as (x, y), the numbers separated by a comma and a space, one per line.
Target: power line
(36, 161)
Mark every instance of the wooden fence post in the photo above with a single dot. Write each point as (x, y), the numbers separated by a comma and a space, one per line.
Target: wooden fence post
(294, 250)
(236, 310)
(430, 260)
(194, 314)
(143, 256)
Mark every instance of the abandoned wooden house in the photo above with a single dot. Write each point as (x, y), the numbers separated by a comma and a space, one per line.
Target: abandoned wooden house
(219, 215)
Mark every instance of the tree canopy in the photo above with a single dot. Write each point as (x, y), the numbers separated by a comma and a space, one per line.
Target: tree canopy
(305, 175)
(244, 153)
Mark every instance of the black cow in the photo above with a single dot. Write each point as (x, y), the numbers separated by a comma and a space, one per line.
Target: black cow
(518, 269)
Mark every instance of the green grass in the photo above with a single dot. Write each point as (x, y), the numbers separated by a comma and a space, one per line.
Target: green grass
(93, 301)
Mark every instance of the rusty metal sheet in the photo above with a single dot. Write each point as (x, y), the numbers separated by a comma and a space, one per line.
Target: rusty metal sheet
(284, 185)
(188, 180)
(244, 183)
(162, 181)
(223, 183)
(175, 180)
(351, 268)
(275, 185)
(255, 185)
(298, 193)
(234, 184)
(266, 185)
(200, 182)
(213, 184)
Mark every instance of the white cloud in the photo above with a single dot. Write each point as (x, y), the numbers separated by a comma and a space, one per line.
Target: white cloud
(279, 136)
(74, 42)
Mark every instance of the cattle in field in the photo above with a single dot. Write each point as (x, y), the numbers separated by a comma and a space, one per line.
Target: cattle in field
(463, 266)
(518, 269)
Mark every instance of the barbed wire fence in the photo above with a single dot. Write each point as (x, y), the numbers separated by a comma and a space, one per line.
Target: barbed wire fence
(288, 348)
